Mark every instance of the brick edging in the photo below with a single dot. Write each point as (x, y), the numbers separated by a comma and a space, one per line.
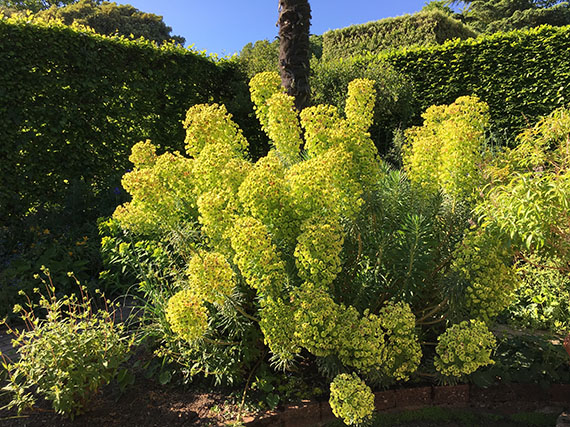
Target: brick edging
(312, 413)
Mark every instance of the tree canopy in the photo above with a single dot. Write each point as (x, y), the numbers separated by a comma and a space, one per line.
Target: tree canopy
(36, 5)
(490, 16)
(103, 17)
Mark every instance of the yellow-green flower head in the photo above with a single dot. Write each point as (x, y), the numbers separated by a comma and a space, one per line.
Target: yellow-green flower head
(211, 276)
(317, 254)
(351, 399)
(483, 261)
(464, 348)
(187, 315)
(212, 124)
(316, 320)
(143, 154)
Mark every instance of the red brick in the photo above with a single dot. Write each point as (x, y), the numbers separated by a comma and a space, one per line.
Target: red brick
(560, 393)
(384, 400)
(451, 395)
(419, 396)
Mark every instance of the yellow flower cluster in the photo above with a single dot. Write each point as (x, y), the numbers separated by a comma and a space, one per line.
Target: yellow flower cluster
(262, 87)
(323, 186)
(162, 190)
(283, 128)
(351, 399)
(257, 258)
(402, 344)
(321, 123)
(212, 124)
(317, 254)
(464, 348)
(210, 276)
(187, 315)
(279, 327)
(386, 343)
(264, 195)
(360, 104)
(317, 319)
(483, 261)
(446, 152)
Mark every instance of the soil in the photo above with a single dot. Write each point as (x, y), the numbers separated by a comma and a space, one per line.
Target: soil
(146, 403)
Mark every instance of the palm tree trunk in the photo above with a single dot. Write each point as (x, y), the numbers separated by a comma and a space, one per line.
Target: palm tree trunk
(294, 50)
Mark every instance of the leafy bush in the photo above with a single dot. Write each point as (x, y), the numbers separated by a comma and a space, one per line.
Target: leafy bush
(529, 200)
(66, 356)
(543, 298)
(286, 257)
(393, 33)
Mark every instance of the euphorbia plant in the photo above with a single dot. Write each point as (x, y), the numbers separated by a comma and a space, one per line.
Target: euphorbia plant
(316, 251)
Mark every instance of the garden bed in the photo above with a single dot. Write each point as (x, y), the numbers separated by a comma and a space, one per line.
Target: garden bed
(148, 403)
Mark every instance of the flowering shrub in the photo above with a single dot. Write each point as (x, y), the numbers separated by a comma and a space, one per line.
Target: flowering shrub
(351, 399)
(324, 254)
(67, 356)
(463, 348)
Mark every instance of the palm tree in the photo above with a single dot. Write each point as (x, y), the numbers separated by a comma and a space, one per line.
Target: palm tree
(294, 23)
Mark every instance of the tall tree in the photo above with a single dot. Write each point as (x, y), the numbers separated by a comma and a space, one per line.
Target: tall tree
(111, 18)
(294, 49)
(34, 5)
(503, 15)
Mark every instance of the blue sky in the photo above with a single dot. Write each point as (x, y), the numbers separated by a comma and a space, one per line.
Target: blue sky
(225, 26)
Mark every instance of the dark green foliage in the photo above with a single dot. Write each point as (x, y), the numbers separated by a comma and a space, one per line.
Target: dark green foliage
(34, 5)
(112, 19)
(393, 108)
(522, 75)
(74, 103)
(491, 16)
(524, 358)
(393, 33)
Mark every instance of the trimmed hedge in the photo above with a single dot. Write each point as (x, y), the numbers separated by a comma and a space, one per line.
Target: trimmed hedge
(422, 28)
(73, 103)
(522, 74)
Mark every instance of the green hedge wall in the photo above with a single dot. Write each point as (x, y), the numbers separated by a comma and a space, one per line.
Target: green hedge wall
(522, 74)
(72, 104)
(422, 28)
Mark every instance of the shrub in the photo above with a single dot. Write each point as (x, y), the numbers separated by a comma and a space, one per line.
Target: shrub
(293, 253)
(543, 298)
(393, 33)
(463, 348)
(66, 356)
(489, 67)
(529, 202)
